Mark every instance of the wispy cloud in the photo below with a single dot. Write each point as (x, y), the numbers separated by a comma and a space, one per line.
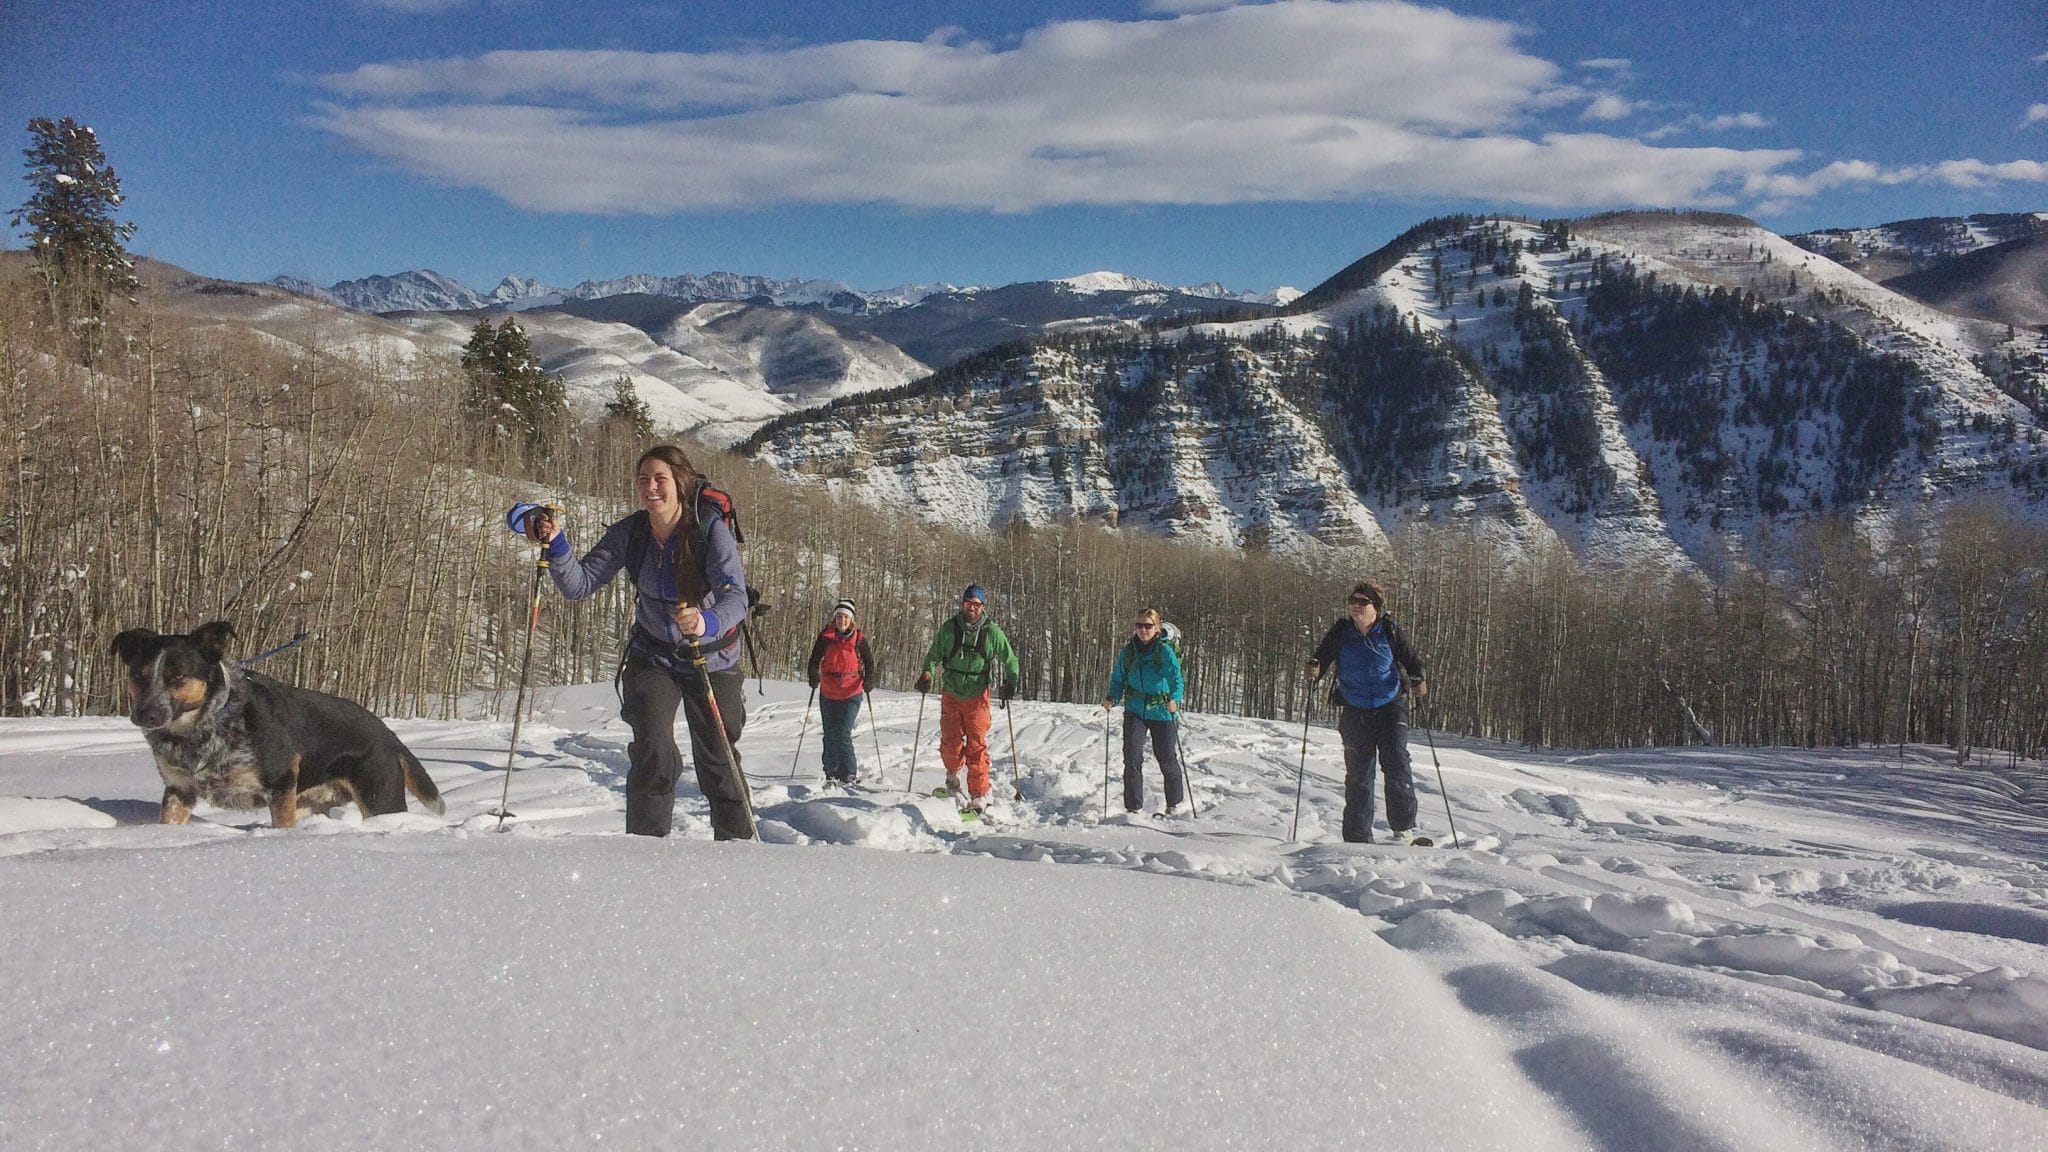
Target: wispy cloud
(1296, 100)
(1777, 192)
(2035, 115)
(1608, 106)
(1725, 123)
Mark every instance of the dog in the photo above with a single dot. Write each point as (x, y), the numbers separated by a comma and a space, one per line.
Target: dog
(243, 740)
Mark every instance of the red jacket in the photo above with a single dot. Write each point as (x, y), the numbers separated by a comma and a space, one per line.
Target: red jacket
(841, 666)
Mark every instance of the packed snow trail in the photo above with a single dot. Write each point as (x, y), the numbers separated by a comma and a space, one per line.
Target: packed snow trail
(1653, 949)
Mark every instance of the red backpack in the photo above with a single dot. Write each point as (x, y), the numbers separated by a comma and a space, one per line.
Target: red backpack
(839, 669)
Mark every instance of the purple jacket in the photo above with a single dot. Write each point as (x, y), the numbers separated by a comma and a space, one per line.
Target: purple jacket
(725, 601)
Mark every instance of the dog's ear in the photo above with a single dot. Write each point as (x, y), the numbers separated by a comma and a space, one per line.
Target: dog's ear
(128, 644)
(212, 639)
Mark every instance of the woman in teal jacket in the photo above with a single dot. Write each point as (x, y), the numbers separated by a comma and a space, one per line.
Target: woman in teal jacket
(1146, 680)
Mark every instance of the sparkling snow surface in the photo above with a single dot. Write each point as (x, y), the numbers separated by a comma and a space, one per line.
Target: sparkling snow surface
(1699, 948)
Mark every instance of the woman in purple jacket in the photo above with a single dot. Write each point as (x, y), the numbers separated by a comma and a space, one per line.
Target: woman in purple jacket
(685, 565)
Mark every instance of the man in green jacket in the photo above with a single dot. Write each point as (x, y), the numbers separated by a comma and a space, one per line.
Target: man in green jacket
(968, 650)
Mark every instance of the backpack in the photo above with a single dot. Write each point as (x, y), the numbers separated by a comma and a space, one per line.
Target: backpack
(640, 536)
(960, 641)
(840, 665)
(1167, 632)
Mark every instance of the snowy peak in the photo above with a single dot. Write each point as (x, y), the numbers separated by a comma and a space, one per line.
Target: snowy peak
(424, 290)
(1097, 282)
(1092, 282)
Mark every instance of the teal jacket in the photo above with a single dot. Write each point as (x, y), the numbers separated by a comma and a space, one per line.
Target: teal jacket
(1145, 677)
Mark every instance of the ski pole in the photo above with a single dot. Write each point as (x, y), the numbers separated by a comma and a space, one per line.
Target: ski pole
(1187, 775)
(916, 738)
(1301, 771)
(540, 567)
(1440, 789)
(801, 732)
(1016, 769)
(732, 758)
(1105, 763)
(874, 732)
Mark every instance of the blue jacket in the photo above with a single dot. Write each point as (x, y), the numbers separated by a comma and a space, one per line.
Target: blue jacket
(1147, 679)
(1368, 664)
(725, 597)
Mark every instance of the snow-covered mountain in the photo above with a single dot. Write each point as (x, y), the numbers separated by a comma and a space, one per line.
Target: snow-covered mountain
(1903, 246)
(421, 289)
(431, 291)
(1640, 386)
(950, 326)
(717, 370)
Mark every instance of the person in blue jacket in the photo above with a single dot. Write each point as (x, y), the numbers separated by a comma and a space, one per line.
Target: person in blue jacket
(1146, 679)
(684, 561)
(1369, 653)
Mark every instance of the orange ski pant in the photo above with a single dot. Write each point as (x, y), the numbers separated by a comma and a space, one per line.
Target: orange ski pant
(963, 738)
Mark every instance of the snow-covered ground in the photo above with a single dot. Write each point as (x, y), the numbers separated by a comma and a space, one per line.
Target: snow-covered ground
(1664, 949)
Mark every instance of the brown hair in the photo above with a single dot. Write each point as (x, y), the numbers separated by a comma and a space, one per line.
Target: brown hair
(677, 463)
(1367, 590)
(1149, 615)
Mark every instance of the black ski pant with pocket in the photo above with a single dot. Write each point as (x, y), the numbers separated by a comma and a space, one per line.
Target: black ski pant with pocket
(1163, 749)
(1376, 734)
(652, 695)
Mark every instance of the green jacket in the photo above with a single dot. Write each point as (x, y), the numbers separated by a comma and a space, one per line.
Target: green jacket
(970, 670)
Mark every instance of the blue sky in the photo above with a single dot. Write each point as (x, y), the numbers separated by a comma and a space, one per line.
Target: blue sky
(1183, 140)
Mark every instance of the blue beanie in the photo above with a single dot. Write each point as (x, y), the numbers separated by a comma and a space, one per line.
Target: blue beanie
(974, 592)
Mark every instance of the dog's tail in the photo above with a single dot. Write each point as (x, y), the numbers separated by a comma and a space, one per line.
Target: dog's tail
(419, 783)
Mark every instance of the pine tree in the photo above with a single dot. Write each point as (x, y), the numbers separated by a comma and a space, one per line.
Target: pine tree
(508, 391)
(68, 219)
(627, 406)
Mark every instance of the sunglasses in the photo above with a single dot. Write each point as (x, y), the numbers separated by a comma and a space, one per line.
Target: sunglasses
(1358, 603)
(1144, 626)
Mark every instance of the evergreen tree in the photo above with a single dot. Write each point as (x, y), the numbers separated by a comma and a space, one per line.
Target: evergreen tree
(626, 405)
(507, 390)
(68, 219)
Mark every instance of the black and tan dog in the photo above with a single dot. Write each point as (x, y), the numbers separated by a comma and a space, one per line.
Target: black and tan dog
(243, 740)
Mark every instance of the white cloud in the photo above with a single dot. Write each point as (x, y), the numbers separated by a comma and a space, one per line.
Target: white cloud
(1183, 6)
(1608, 106)
(1294, 100)
(1723, 123)
(2035, 115)
(1852, 173)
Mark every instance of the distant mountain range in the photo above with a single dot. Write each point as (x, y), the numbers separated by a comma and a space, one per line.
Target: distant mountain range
(425, 290)
(1642, 385)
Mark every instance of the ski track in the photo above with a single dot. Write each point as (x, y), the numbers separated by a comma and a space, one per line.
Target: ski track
(1848, 949)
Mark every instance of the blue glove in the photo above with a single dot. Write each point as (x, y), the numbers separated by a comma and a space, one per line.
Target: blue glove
(520, 519)
(515, 519)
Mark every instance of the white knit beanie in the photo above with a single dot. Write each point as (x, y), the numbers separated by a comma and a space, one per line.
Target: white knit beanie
(845, 606)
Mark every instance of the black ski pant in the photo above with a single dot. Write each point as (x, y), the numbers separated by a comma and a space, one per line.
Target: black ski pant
(1376, 734)
(1163, 749)
(652, 696)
